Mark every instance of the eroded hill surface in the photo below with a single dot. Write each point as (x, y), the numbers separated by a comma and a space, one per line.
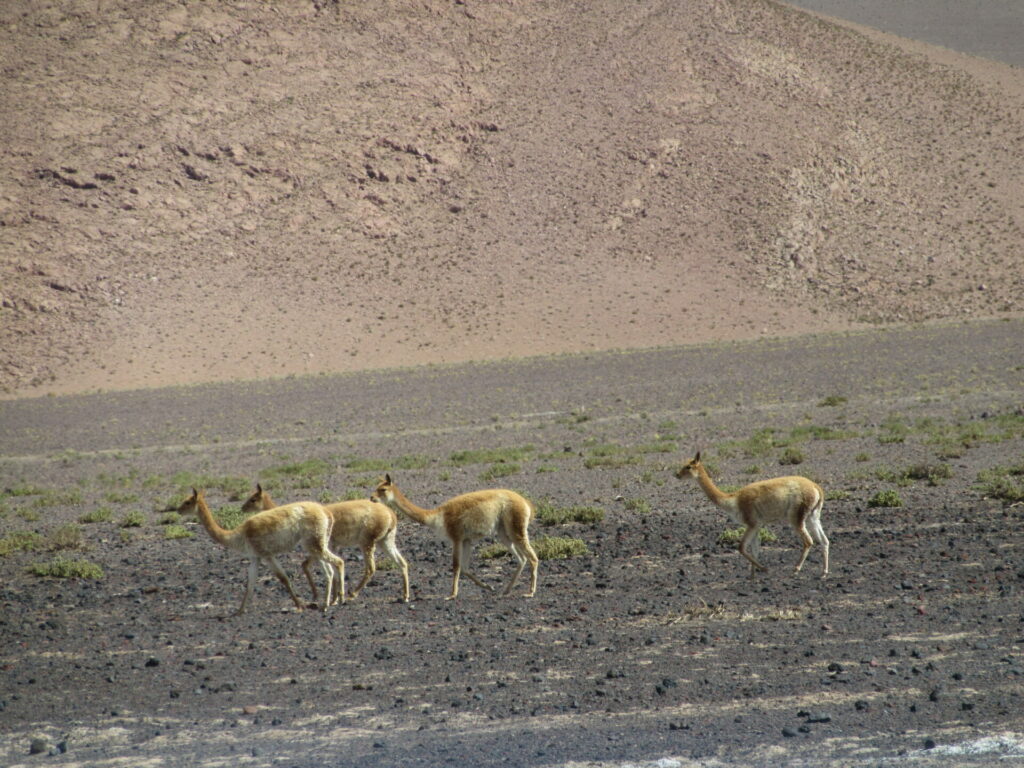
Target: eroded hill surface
(194, 191)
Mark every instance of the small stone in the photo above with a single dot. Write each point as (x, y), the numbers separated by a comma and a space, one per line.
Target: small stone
(929, 743)
(788, 732)
(38, 745)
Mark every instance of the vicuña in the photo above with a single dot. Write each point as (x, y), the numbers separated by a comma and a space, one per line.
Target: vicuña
(499, 513)
(267, 534)
(794, 499)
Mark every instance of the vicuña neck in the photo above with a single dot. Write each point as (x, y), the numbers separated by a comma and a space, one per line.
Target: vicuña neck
(720, 498)
(402, 504)
(217, 532)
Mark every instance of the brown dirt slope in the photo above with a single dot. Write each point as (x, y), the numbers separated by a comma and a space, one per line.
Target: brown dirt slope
(194, 191)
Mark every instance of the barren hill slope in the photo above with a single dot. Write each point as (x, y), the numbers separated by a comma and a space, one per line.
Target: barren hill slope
(194, 191)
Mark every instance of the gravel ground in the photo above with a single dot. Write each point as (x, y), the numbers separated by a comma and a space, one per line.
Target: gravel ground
(653, 647)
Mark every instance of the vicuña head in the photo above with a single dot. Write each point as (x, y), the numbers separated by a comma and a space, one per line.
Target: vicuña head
(358, 523)
(792, 499)
(464, 519)
(267, 534)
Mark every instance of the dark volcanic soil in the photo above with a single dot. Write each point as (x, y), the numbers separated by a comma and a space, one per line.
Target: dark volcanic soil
(653, 647)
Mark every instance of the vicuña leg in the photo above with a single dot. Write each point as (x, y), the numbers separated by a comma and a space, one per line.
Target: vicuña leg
(751, 535)
(392, 551)
(819, 536)
(461, 553)
(334, 572)
(807, 542)
(369, 567)
(524, 553)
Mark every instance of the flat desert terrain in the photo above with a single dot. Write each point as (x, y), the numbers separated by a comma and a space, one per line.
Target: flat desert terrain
(646, 640)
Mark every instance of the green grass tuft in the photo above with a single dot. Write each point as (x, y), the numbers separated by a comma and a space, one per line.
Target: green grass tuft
(175, 531)
(640, 506)
(933, 473)
(1002, 483)
(133, 519)
(301, 474)
(546, 547)
(886, 499)
(68, 536)
(558, 548)
(791, 456)
(499, 470)
(893, 431)
(734, 535)
(21, 541)
(493, 551)
(832, 401)
(98, 515)
(230, 517)
(492, 455)
(610, 456)
(548, 514)
(25, 490)
(233, 487)
(387, 465)
(63, 568)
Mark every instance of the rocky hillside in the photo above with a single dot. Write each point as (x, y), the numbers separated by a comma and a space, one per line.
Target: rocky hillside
(198, 191)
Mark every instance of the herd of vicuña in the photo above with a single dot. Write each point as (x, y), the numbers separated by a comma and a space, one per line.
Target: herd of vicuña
(323, 529)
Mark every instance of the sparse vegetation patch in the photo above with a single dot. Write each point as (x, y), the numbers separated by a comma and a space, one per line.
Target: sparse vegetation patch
(133, 519)
(1004, 483)
(21, 541)
(98, 515)
(888, 498)
(549, 514)
(492, 455)
(499, 470)
(64, 568)
(232, 486)
(559, 548)
(301, 474)
(733, 536)
(176, 531)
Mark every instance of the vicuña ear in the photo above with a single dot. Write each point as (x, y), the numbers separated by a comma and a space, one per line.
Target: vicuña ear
(697, 457)
(387, 478)
(259, 488)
